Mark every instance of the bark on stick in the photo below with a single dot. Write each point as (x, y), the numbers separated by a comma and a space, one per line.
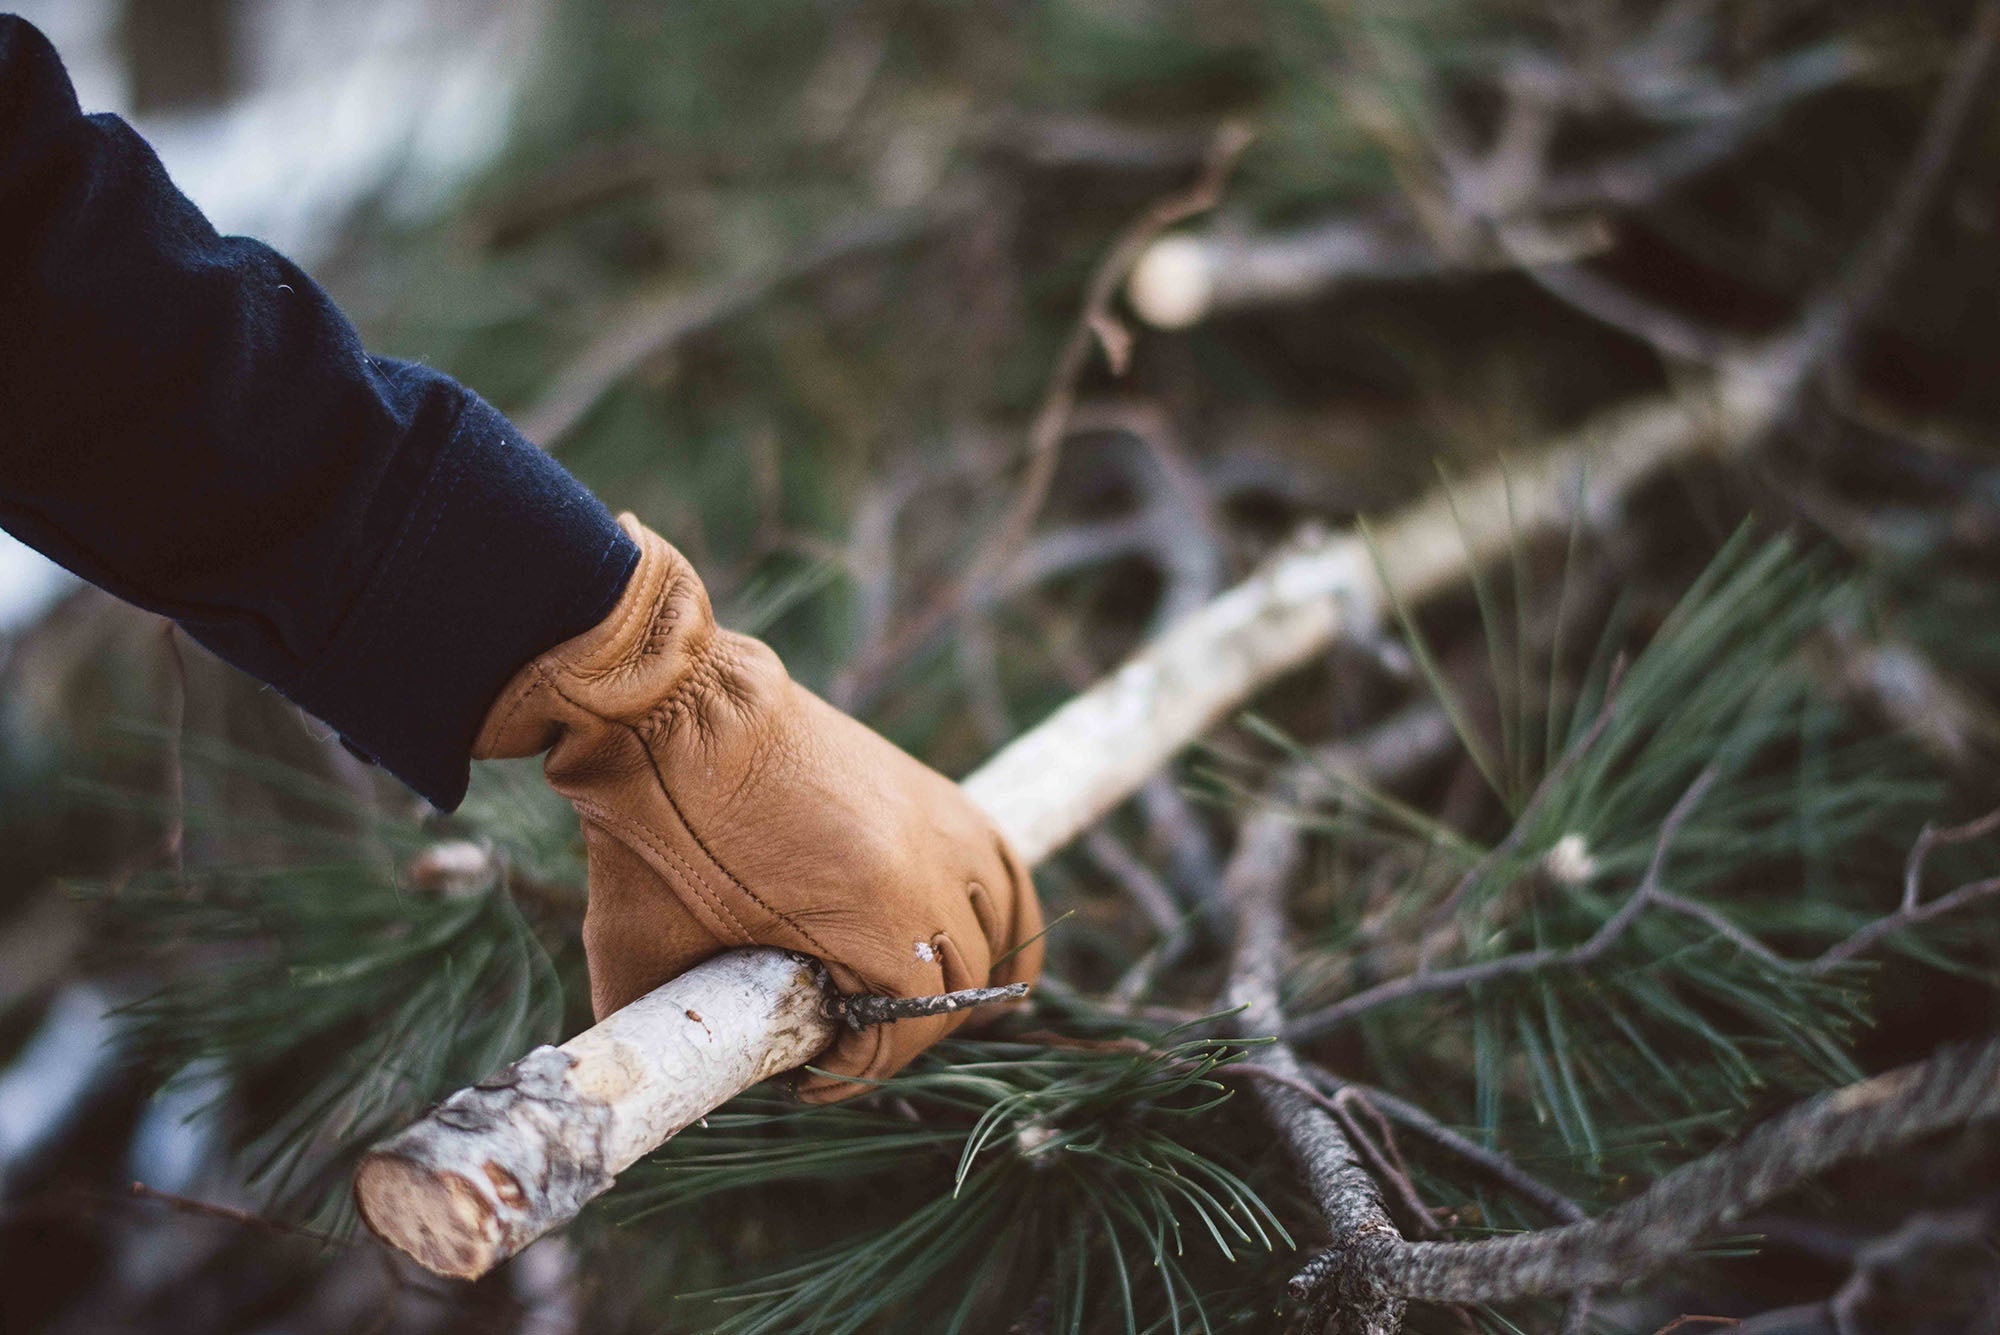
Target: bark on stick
(496, 1166)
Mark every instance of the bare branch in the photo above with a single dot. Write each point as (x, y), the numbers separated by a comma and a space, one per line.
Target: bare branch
(1095, 328)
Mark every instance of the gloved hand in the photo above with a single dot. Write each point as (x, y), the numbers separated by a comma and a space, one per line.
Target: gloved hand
(725, 805)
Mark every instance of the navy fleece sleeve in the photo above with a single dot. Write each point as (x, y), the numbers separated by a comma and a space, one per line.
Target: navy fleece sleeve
(187, 421)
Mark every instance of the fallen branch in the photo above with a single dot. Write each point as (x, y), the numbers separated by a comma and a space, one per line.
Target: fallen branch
(1186, 278)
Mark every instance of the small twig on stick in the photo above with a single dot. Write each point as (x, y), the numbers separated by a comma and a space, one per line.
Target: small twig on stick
(863, 1010)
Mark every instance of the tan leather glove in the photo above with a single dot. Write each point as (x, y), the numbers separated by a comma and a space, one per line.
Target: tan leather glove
(725, 805)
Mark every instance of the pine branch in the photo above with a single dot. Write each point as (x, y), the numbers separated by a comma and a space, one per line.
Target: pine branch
(1360, 1283)
(1649, 893)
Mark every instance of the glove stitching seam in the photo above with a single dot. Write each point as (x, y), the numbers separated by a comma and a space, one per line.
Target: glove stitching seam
(498, 730)
(703, 668)
(660, 781)
(720, 866)
(699, 883)
(659, 610)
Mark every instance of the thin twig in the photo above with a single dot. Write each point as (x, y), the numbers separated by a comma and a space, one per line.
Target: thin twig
(1831, 322)
(864, 1010)
(1094, 327)
(242, 1218)
(1492, 1164)
(656, 324)
(1141, 883)
(1913, 909)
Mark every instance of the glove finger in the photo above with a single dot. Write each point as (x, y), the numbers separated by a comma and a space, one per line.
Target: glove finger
(1015, 916)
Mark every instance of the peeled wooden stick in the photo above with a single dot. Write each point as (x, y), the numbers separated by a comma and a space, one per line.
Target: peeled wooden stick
(494, 1167)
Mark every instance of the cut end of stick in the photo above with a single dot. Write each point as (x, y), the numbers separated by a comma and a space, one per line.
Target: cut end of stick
(501, 1162)
(440, 1220)
(490, 1169)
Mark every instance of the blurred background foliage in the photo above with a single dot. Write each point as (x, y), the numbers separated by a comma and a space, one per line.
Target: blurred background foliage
(789, 280)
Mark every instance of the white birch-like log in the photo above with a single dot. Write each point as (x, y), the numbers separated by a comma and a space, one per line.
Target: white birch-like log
(496, 1166)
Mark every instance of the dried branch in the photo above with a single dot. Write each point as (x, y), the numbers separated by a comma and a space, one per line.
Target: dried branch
(1509, 210)
(1095, 327)
(1832, 320)
(1951, 1090)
